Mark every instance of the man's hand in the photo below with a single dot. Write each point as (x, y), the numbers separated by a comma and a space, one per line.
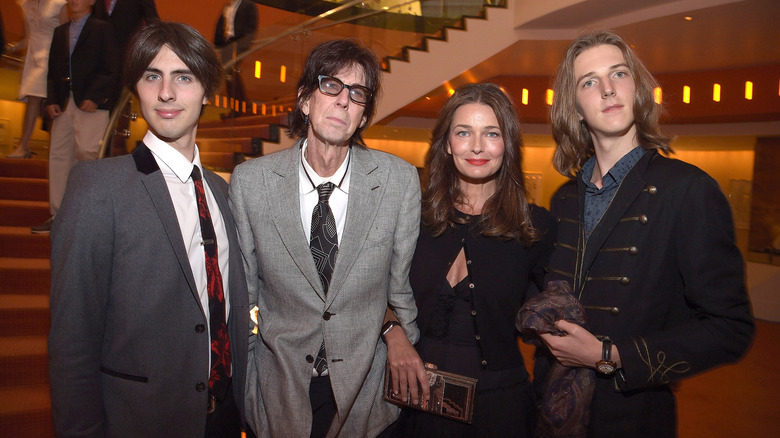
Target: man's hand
(88, 106)
(53, 111)
(579, 348)
(406, 367)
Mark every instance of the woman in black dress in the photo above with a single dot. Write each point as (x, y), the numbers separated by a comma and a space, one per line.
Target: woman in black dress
(481, 247)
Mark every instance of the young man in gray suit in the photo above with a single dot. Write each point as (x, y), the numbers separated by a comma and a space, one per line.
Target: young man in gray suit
(327, 229)
(148, 303)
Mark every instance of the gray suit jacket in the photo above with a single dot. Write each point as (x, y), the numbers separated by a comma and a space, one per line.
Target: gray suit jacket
(128, 353)
(380, 234)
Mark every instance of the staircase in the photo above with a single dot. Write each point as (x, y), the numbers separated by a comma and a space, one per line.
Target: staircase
(223, 144)
(445, 55)
(24, 300)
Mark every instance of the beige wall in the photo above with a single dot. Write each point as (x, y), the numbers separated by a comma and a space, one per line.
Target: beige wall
(724, 158)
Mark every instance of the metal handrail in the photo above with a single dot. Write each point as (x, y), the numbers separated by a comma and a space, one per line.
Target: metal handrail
(256, 45)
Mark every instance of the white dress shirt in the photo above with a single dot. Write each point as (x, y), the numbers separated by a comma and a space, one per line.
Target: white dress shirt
(177, 171)
(309, 197)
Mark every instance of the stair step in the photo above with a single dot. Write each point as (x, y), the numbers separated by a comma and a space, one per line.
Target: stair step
(267, 132)
(220, 161)
(28, 276)
(24, 315)
(278, 119)
(26, 412)
(25, 189)
(241, 145)
(23, 213)
(20, 242)
(24, 168)
(23, 359)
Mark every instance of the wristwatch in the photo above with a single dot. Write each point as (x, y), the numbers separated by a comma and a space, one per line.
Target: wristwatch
(606, 365)
(389, 326)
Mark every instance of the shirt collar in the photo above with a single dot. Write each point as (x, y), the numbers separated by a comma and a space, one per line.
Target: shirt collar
(616, 174)
(178, 163)
(306, 172)
(80, 21)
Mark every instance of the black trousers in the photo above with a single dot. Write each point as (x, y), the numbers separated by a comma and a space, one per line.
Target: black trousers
(225, 421)
(323, 406)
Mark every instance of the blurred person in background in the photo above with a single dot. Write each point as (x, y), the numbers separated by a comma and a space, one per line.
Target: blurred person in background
(40, 19)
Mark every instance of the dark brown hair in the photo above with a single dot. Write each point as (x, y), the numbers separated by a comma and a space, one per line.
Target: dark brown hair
(329, 58)
(506, 214)
(574, 141)
(189, 45)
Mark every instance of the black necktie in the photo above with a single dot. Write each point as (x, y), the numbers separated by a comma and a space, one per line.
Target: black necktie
(324, 249)
(220, 343)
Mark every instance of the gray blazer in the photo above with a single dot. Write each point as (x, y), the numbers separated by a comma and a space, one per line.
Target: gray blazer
(127, 351)
(380, 234)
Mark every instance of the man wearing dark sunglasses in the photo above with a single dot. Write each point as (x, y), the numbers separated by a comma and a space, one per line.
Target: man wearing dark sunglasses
(327, 229)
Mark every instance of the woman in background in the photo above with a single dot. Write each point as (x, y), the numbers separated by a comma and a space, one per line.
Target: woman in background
(481, 246)
(40, 19)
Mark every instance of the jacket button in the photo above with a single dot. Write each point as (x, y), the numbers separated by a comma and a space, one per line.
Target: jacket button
(309, 358)
(643, 219)
(615, 311)
(477, 337)
(200, 387)
(625, 281)
(326, 316)
(652, 190)
(474, 313)
(471, 285)
(484, 362)
(633, 250)
(200, 328)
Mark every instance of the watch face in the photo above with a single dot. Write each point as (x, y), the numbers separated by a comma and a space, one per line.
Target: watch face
(605, 367)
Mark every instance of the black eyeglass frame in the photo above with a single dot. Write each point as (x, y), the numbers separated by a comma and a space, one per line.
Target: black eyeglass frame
(369, 93)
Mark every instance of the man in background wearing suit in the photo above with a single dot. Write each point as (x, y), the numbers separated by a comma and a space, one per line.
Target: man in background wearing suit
(148, 303)
(236, 27)
(83, 71)
(124, 17)
(327, 230)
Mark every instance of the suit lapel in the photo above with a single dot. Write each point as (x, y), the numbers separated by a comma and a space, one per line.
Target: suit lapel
(84, 35)
(152, 179)
(629, 189)
(284, 200)
(366, 186)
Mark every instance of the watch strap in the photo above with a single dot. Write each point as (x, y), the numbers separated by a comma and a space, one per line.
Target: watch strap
(389, 326)
(606, 349)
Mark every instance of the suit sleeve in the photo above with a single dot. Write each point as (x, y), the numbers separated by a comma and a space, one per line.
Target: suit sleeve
(52, 71)
(246, 242)
(720, 327)
(399, 295)
(82, 250)
(149, 11)
(103, 81)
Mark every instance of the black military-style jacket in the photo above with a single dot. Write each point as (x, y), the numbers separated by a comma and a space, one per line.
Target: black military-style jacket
(660, 275)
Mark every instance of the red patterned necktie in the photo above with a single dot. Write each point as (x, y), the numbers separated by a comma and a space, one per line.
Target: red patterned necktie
(220, 343)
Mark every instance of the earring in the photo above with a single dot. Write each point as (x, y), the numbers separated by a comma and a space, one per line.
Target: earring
(305, 119)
